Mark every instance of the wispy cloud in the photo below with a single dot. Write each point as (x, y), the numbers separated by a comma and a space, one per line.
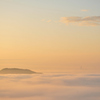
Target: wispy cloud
(84, 10)
(49, 21)
(43, 20)
(82, 21)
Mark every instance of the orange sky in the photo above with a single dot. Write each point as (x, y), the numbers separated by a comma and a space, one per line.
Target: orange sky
(50, 36)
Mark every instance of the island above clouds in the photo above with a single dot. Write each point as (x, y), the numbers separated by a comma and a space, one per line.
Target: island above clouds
(17, 71)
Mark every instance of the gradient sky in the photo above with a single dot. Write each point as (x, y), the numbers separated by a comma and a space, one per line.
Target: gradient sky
(50, 35)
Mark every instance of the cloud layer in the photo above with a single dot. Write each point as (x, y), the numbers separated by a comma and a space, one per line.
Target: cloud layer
(50, 87)
(82, 21)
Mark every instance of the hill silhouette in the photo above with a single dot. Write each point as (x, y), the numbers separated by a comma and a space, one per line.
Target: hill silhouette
(16, 71)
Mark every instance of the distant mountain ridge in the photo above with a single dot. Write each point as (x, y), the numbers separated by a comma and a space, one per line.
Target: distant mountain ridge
(16, 71)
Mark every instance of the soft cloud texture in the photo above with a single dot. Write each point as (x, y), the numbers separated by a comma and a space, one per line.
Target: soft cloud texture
(50, 87)
(82, 21)
(84, 10)
(49, 21)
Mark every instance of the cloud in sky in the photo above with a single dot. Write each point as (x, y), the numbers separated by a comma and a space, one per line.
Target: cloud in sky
(82, 21)
(50, 87)
(49, 21)
(84, 10)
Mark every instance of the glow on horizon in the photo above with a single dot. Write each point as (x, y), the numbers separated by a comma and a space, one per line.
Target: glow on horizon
(33, 31)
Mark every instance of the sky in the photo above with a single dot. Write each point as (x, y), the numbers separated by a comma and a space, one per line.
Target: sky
(50, 35)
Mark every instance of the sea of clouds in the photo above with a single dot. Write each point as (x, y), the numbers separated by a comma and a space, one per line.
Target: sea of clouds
(50, 86)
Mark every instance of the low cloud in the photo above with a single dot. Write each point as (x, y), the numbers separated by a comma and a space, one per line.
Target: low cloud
(50, 87)
(82, 21)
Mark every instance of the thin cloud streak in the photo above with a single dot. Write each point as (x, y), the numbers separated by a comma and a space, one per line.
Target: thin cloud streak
(49, 21)
(84, 10)
(82, 21)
